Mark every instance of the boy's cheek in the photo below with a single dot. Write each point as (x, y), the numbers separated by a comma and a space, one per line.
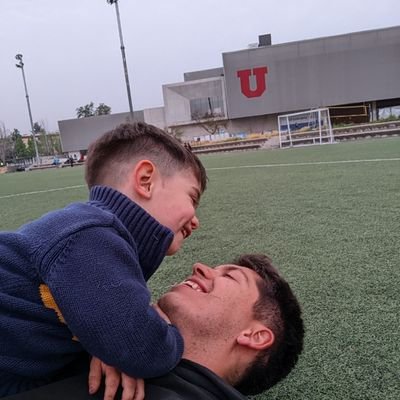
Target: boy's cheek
(175, 245)
(171, 251)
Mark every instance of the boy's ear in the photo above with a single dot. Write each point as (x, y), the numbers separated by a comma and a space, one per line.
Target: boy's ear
(144, 176)
(258, 337)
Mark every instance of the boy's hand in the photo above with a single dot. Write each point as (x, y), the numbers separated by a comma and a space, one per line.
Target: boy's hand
(133, 389)
(161, 313)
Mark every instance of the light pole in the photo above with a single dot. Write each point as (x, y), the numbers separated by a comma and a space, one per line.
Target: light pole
(128, 88)
(21, 66)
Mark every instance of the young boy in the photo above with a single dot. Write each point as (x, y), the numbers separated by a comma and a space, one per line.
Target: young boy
(75, 279)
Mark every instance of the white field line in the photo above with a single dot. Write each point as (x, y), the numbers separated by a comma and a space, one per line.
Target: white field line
(226, 168)
(305, 163)
(41, 191)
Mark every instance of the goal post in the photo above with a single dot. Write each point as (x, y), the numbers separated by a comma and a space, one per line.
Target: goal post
(305, 128)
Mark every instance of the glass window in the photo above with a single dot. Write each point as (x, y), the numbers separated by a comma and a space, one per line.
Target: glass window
(207, 107)
(389, 112)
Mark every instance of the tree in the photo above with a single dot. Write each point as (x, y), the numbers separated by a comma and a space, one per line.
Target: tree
(211, 122)
(30, 148)
(20, 150)
(37, 128)
(5, 145)
(41, 141)
(175, 131)
(88, 110)
(55, 143)
(85, 111)
(103, 109)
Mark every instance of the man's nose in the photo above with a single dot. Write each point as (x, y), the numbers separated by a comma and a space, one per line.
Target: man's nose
(203, 270)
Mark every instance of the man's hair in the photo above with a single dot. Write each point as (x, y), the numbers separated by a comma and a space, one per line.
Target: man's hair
(111, 156)
(278, 308)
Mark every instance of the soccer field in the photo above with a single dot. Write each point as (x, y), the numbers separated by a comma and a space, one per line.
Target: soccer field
(329, 216)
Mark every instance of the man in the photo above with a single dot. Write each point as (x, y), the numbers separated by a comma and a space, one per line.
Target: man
(242, 328)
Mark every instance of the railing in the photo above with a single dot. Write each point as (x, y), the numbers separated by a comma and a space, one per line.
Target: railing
(374, 129)
(249, 144)
(346, 132)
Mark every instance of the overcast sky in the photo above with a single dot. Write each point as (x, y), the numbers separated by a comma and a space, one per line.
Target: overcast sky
(72, 55)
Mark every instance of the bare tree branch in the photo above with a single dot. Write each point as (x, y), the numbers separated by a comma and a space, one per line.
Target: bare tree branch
(4, 143)
(211, 122)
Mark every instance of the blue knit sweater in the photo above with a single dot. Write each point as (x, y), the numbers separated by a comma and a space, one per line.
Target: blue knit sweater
(76, 279)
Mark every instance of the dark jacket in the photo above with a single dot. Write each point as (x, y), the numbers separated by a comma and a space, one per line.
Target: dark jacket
(188, 381)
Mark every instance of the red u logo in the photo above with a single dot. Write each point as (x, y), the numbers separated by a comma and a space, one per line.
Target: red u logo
(244, 76)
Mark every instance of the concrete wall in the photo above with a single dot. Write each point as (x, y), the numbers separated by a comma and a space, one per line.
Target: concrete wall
(77, 134)
(155, 116)
(256, 124)
(351, 68)
(177, 98)
(206, 73)
(188, 132)
(177, 106)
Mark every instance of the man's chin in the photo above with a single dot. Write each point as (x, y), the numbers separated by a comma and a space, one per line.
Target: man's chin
(169, 307)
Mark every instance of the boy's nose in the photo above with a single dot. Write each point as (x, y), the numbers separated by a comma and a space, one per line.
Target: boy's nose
(195, 223)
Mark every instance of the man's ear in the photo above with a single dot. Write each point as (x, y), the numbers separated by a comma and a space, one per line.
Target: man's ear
(258, 337)
(144, 176)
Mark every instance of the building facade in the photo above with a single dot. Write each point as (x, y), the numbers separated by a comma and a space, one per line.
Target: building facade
(356, 75)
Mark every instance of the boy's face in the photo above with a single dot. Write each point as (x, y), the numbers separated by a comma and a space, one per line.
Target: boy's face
(174, 204)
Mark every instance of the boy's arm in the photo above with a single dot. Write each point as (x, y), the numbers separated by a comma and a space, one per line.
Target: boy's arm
(102, 295)
(161, 313)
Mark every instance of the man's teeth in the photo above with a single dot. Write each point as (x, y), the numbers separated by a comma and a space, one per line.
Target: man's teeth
(194, 286)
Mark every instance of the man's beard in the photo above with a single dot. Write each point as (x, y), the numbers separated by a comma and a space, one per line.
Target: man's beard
(193, 325)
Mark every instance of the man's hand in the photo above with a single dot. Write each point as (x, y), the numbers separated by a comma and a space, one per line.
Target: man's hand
(133, 389)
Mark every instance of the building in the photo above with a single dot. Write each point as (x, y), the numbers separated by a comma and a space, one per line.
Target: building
(355, 75)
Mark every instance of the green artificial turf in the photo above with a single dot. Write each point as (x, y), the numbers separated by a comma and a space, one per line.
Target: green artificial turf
(332, 228)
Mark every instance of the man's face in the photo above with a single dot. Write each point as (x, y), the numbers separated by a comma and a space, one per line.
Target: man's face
(174, 205)
(213, 302)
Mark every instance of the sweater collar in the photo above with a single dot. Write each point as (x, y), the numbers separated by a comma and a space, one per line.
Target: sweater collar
(151, 238)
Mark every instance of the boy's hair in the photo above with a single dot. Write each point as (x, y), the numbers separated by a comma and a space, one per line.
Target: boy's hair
(112, 155)
(279, 309)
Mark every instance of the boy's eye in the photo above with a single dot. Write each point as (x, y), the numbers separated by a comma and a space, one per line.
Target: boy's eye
(195, 202)
(230, 277)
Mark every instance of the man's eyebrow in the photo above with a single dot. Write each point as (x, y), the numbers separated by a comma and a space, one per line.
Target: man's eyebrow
(232, 268)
